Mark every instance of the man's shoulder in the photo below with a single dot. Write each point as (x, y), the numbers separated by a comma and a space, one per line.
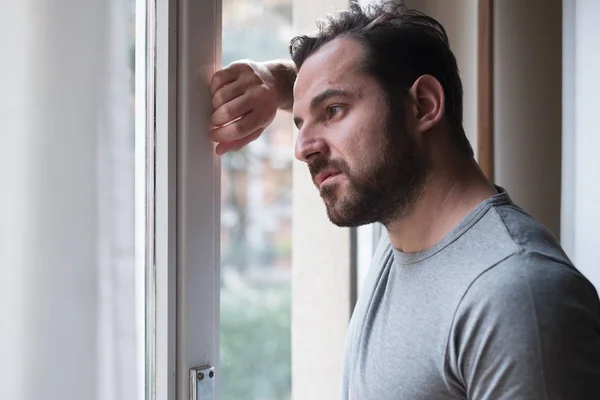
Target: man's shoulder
(535, 267)
(530, 318)
(522, 239)
(526, 231)
(533, 282)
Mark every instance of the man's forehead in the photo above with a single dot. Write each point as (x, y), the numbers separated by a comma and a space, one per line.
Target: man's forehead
(335, 64)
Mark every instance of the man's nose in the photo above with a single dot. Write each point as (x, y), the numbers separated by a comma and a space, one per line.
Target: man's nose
(309, 145)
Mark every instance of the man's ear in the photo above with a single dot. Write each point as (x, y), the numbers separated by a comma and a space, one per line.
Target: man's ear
(427, 94)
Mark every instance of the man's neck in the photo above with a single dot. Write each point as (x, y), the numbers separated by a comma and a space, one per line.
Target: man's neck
(449, 195)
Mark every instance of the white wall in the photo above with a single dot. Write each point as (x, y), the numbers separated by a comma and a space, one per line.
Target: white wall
(527, 80)
(50, 77)
(321, 282)
(527, 105)
(459, 18)
(581, 137)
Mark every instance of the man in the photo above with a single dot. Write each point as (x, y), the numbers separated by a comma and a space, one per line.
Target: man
(468, 296)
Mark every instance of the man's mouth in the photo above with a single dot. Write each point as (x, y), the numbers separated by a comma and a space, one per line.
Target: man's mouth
(322, 177)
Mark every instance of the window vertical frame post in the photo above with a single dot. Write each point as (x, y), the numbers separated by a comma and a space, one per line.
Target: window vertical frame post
(187, 199)
(162, 273)
(198, 193)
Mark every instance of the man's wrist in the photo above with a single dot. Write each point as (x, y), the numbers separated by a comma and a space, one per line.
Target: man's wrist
(284, 75)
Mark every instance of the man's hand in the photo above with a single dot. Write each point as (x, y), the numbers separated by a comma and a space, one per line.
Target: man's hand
(244, 101)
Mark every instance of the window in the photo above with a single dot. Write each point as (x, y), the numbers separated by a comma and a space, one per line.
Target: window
(256, 224)
(116, 187)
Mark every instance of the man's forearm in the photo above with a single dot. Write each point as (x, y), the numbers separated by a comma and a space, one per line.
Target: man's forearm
(284, 74)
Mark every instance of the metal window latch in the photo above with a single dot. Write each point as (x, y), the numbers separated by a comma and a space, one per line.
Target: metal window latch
(202, 383)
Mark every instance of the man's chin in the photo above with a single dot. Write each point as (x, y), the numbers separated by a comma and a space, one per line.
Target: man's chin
(346, 222)
(346, 217)
(346, 211)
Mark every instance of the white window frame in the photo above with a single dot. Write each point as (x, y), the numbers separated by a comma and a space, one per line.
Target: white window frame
(187, 202)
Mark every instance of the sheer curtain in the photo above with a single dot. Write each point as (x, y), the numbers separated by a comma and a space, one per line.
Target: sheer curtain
(67, 285)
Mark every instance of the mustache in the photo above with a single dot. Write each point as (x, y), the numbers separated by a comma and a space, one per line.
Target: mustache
(318, 165)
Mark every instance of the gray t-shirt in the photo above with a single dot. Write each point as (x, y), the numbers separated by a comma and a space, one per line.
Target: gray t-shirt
(494, 311)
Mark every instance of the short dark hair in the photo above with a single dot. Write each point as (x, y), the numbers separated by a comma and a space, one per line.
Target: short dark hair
(400, 46)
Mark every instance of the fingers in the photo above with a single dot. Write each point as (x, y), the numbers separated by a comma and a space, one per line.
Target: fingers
(222, 78)
(228, 92)
(232, 110)
(227, 75)
(239, 129)
(235, 145)
(244, 104)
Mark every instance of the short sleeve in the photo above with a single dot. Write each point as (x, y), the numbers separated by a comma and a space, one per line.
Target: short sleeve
(526, 329)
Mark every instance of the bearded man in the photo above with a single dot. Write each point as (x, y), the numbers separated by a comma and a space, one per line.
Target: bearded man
(468, 297)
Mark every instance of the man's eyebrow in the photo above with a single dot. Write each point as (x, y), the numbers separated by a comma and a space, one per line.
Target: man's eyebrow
(320, 98)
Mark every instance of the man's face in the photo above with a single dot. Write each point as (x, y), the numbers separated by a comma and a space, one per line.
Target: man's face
(363, 158)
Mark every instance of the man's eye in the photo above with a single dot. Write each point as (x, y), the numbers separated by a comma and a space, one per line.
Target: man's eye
(332, 111)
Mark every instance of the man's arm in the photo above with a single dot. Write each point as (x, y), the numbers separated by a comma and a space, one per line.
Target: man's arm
(245, 99)
(527, 329)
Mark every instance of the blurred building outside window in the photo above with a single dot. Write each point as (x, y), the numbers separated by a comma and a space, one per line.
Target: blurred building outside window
(256, 224)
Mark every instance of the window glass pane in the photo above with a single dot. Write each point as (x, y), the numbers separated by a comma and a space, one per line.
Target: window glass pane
(120, 325)
(256, 224)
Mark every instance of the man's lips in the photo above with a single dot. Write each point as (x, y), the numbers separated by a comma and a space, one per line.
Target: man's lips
(323, 176)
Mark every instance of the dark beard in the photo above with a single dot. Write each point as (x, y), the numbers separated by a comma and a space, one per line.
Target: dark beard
(386, 192)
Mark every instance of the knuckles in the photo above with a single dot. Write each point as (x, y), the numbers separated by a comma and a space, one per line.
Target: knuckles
(242, 67)
(257, 96)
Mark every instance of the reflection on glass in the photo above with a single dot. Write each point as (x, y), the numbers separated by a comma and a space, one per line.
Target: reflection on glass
(256, 224)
